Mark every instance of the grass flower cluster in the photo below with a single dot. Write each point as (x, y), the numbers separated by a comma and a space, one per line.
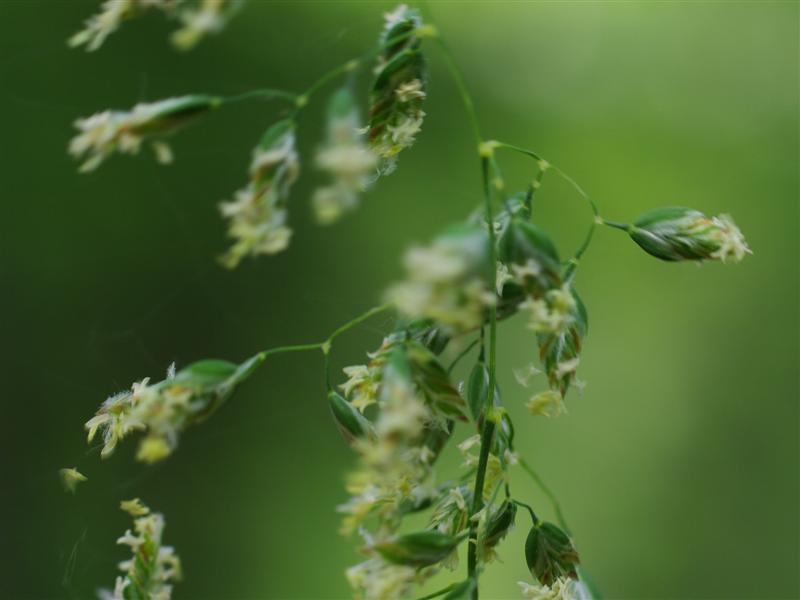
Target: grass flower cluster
(400, 409)
(197, 18)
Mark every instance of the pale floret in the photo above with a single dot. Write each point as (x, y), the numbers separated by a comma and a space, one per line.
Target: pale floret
(209, 17)
(549, 403)
(404, 134)
(362, 386)
(552, 314)
(349, 162)
(445, 284)
(378, 580)
(562, 589)
(112, 14)
(732, 245)
(70, 478)
(525, 374)
(410, 90)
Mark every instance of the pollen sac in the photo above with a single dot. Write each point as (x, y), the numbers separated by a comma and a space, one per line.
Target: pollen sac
(420, 549)
(395, 116)
(550, 553)
(677, 233)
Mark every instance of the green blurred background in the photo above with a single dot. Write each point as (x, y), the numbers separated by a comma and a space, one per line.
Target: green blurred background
(677, 469)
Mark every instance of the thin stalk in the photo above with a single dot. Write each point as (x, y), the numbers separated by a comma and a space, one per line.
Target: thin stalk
(294, 348)
(461, 355)
(613, 224)
(532, 189)
(534, 518)
(466, 98)
(545, 164)
(547, 492)
(352, 323)
(325, 346)
(576, 259)
(438, 593)
(264, 94)
(487, 433)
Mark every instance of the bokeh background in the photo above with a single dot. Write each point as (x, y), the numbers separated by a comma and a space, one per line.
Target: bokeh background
(677, 469)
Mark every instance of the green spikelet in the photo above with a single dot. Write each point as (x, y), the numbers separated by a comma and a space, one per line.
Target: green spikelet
(395, 116)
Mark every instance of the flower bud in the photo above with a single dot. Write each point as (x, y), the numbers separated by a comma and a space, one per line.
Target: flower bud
(420, 549)
(70, 478)
(499, 524)
(678, 233)
(550, 553)
(349, 420)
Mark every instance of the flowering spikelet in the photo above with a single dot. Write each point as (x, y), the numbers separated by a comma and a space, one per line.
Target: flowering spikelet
(112, 14)
(207, 17)
(345, 157)
(257, 216)
(153, 566)
(163, 410)
(107, 132)
(534, 285)
(448, 281)
(414, 403)
(198, 17)
(396, 114)
(559, 348)
(678, 233)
